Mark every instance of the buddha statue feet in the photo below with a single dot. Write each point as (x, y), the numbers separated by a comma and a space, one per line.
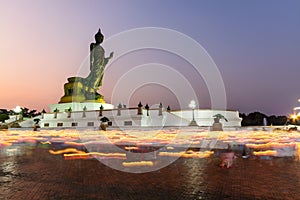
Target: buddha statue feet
(95, 97)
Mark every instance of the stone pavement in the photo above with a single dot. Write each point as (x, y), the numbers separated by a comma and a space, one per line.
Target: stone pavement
(40, 175)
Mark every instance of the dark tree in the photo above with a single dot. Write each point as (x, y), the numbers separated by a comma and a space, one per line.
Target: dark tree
(25, 112)
(3, 117)
(257, 118)
(4, 111)
(254, 119)
(36, 120)
(277, 120)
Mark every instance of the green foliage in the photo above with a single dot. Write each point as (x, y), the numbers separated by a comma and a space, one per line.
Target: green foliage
(257, 119)
(26, 112)
(3, 117)
(254, 119)
(277, 120)
(4, 111)
(220, 116)
(36, 120)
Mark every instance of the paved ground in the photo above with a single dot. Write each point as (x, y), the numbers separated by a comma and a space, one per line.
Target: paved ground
(40, 175)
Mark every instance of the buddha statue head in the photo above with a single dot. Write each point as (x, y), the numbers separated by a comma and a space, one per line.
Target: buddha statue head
(99, 37)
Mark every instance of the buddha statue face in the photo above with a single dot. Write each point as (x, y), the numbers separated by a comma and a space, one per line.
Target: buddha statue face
(99, 37)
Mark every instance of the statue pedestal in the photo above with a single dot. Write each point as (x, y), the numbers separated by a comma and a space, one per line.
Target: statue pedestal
(193, 123)
(217, 127)
(75, 106)
(75, 91)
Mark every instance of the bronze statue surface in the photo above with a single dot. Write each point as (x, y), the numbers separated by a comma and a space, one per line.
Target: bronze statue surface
(85, 89)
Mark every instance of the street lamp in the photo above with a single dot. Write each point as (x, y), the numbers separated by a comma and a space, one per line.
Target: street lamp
(192, 105)
(294, 118)
(17, 110)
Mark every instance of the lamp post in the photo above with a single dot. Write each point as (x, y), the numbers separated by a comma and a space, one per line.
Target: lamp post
(192, 105)
(294, 118)
(17, 110)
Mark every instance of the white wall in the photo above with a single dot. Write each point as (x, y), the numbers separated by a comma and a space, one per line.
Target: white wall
(12, 118)
(205, 117)
(174, 118)
(28, 123)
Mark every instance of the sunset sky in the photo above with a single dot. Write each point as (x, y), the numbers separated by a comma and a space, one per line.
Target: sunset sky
(255, 45)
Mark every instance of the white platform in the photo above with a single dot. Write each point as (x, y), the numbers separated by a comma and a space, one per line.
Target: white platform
(62, 107)
(129, 118)
(205, 117)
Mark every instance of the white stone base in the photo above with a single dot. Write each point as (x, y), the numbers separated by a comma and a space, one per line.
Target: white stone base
(62, 107)
(205, 117)
(128, 118)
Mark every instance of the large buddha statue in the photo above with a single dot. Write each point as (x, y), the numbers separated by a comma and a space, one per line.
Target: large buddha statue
(85, 89)
(97, 65)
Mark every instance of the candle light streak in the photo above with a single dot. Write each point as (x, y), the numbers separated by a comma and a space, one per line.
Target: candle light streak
(138, 164)
(73, 144)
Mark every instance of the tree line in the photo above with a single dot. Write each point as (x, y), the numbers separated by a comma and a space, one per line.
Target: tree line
(252, 119)
(26, 112)
(257, 119)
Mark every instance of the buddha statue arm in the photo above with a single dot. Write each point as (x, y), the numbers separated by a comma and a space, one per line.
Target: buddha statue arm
(108, 58)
